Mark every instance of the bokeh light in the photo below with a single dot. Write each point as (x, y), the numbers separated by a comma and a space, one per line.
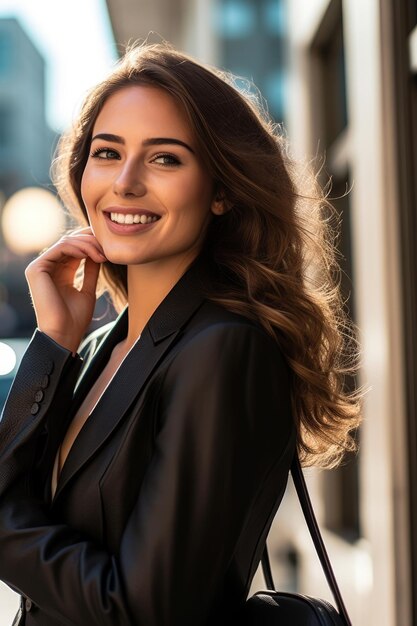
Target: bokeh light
(32, 219)
(7, 359)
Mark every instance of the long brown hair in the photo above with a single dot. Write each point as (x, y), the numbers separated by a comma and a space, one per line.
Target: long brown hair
(275, 243)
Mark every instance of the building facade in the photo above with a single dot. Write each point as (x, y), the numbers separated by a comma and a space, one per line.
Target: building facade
(246, 37)
(26, 148)
(353, 97)
(26, 141)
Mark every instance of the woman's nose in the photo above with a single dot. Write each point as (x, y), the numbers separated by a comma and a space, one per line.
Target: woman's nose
(129, 182)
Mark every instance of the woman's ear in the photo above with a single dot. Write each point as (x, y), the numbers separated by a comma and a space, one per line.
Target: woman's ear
(219, 205)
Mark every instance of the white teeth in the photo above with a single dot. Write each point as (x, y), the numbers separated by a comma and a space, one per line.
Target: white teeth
(129, 218)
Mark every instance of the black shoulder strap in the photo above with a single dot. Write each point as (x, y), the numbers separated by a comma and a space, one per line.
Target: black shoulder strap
(313, 527)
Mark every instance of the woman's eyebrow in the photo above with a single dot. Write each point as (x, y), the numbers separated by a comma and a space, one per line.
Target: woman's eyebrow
(152, 141)
(158, 141)
(109, 137)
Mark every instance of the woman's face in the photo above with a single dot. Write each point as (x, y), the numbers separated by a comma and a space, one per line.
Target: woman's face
(148, 196)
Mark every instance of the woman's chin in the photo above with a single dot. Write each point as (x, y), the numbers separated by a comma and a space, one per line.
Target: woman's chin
(121, 257)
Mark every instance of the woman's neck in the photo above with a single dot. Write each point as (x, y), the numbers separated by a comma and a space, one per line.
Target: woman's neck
(148, 284)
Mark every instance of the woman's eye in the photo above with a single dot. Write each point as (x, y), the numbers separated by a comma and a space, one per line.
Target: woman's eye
(105, 154)
(165, 159)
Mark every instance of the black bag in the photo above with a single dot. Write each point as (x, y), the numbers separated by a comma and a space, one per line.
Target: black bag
(275, 608)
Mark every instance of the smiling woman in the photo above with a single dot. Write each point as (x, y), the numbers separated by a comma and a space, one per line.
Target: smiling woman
(148, 196)
(141, 467)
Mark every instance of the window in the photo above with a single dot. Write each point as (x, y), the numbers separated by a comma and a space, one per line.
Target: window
(6, 121)
(400, 20)
(274, 18)
(274, 89)
(6, 53)
(341, 486)
(234, 19)
(252, 43)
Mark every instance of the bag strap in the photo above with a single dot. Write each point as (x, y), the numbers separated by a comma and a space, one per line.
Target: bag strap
(313, 527)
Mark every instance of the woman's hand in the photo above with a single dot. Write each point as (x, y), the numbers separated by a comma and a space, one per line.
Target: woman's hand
(62, 311)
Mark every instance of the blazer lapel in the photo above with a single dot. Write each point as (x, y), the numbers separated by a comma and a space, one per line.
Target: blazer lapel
(156, 339)
(90, 370)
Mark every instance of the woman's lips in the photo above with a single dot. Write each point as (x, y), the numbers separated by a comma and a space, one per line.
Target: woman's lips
(126, 229)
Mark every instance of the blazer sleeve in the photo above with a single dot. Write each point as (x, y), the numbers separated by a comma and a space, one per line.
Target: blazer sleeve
(42, 387)
(223, 423)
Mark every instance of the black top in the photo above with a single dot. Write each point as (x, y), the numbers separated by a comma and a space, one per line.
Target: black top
(165, 499)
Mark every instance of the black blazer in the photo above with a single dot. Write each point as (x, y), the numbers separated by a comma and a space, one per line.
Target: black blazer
(166, 497)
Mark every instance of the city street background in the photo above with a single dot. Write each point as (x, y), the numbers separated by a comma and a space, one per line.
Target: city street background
(340, 77)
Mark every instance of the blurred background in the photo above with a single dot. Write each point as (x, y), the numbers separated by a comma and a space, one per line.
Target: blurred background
(341, 76)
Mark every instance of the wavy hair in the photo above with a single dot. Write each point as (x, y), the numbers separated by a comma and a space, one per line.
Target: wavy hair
(274, 247)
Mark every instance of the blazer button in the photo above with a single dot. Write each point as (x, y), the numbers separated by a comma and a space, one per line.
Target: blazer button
(39, 395)
(28, 604)
(45, 381)
(34, 408)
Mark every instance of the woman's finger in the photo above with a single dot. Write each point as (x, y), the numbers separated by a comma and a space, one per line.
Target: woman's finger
(90, 239)
(70, 249)
(83, 237)
(91, 272)
(81, 234)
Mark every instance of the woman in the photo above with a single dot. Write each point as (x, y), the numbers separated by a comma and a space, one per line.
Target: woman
(145, 497)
